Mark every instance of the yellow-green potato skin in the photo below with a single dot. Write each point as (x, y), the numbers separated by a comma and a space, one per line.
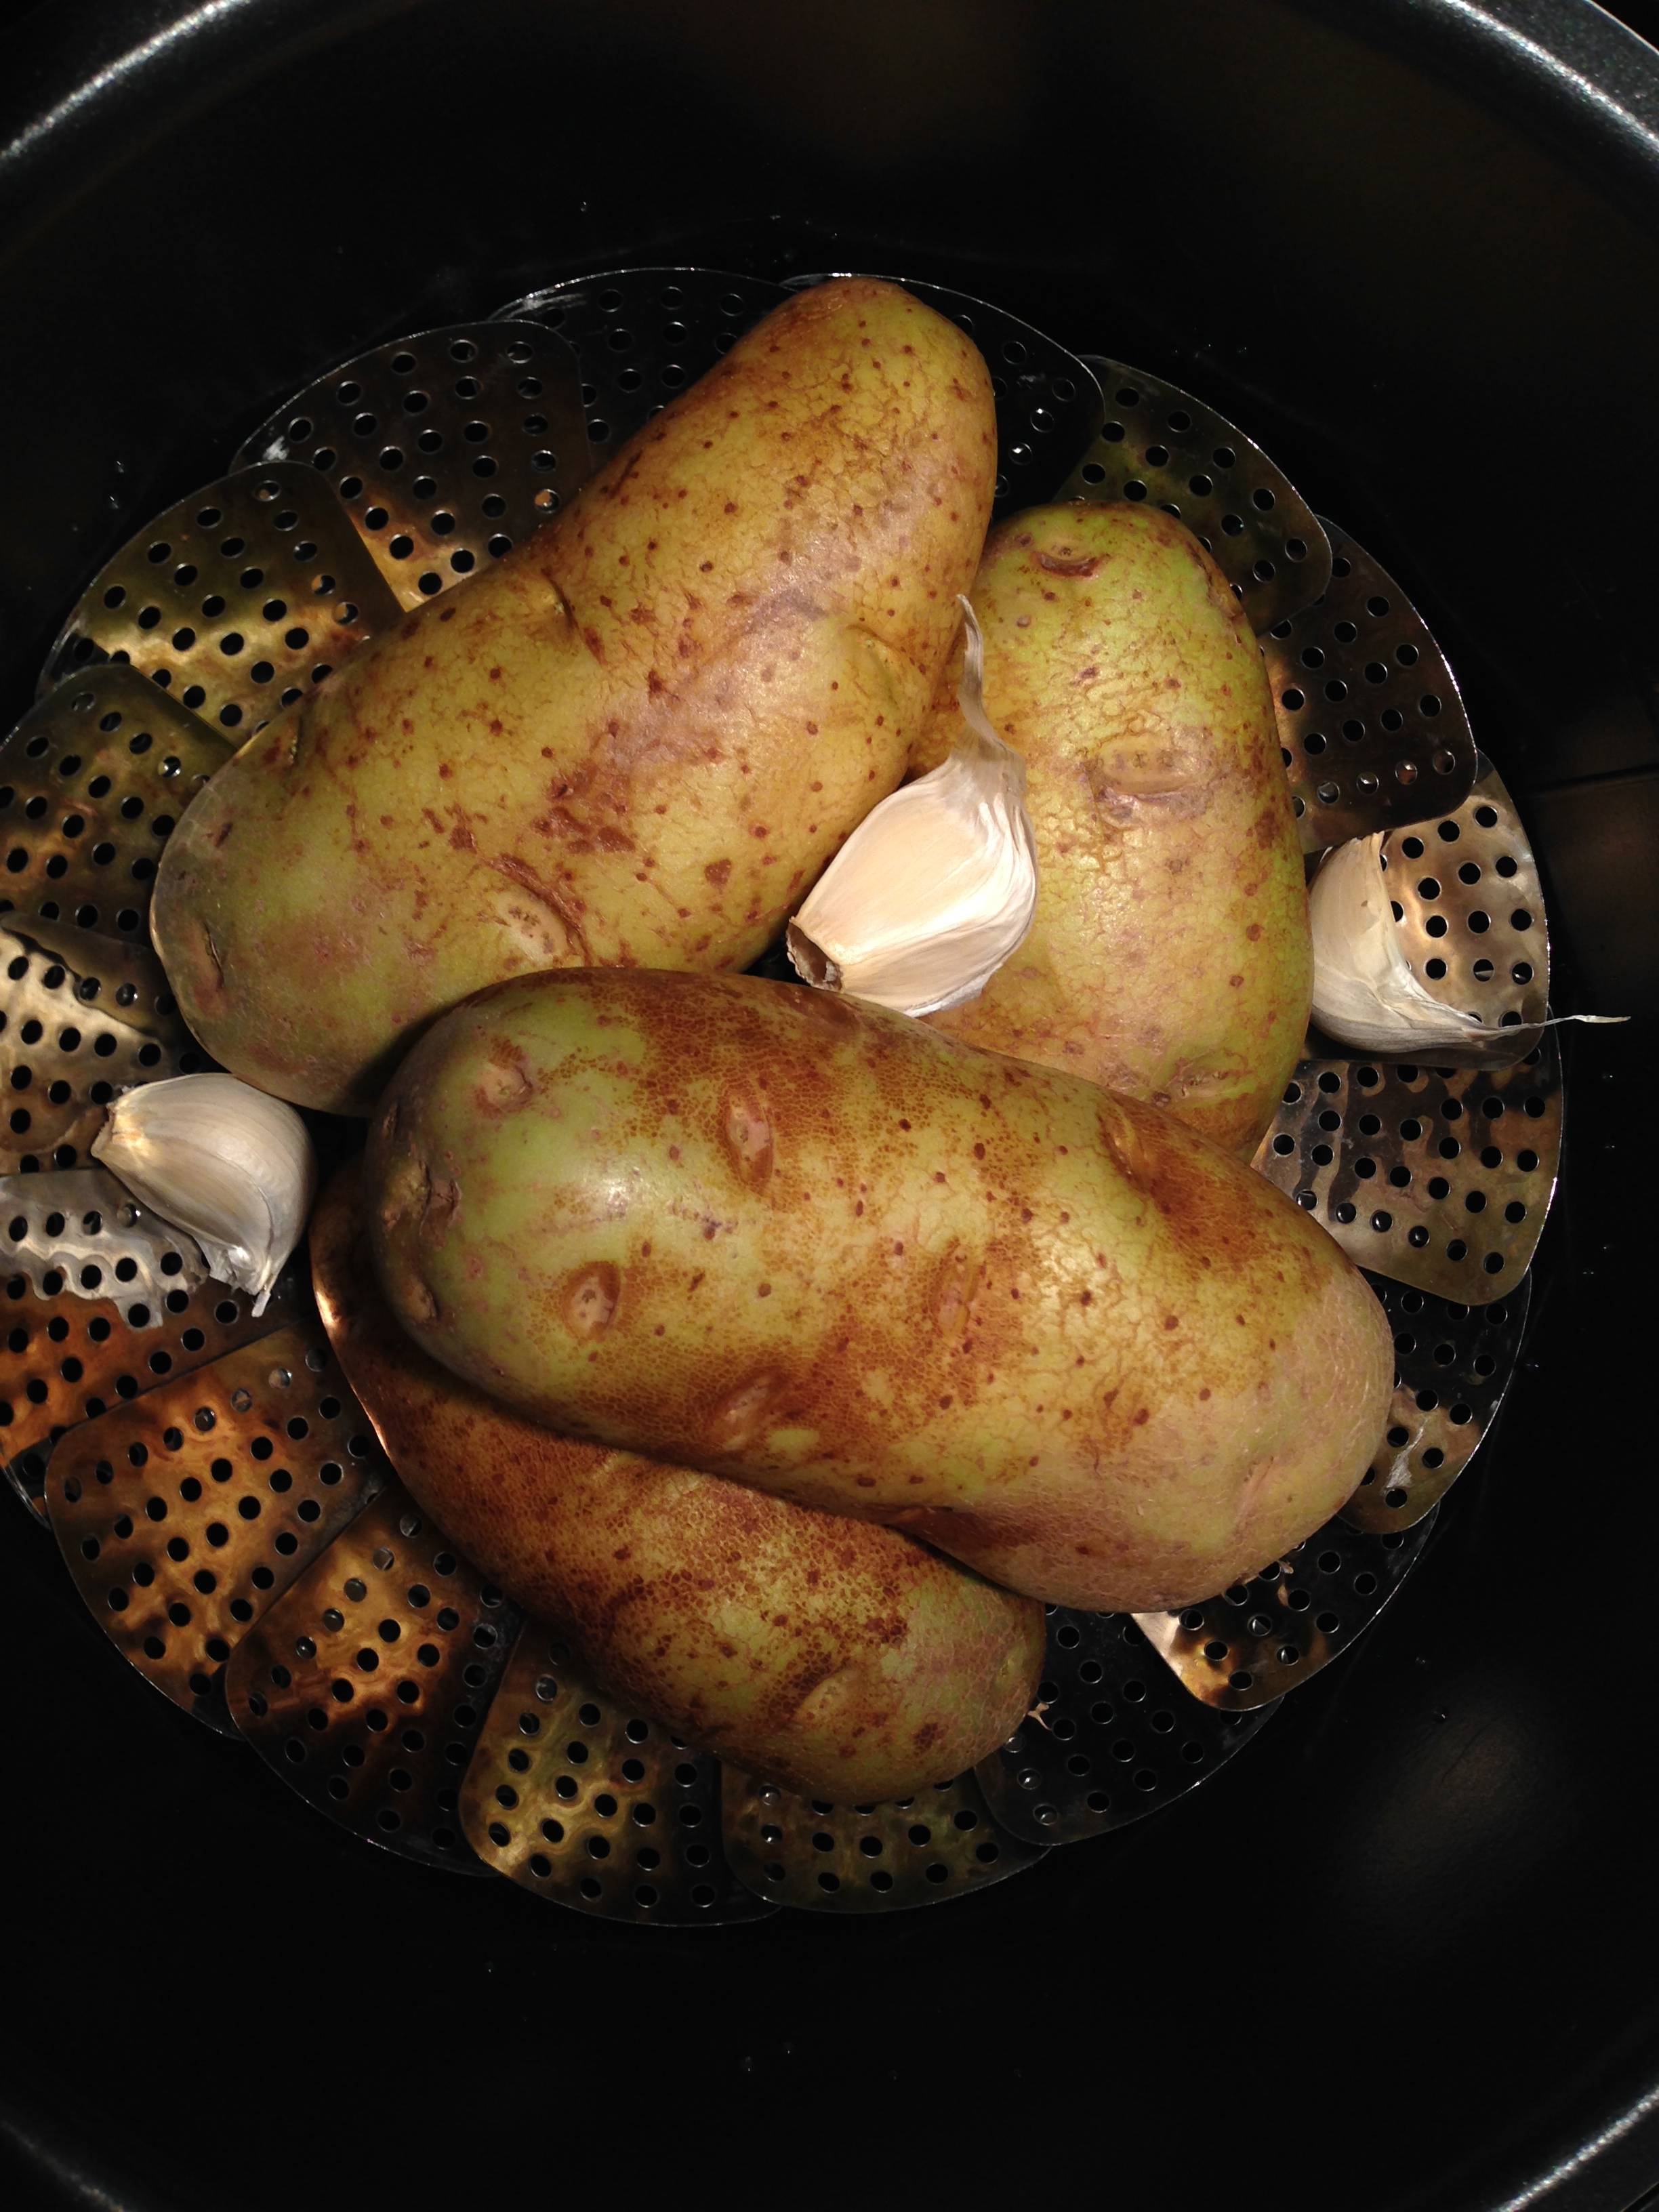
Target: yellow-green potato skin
(838, 1657)
(1171, 957)
(635, 740)
(771, 1233)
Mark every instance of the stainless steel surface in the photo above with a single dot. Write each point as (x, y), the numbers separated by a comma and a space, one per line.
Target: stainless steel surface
(1257, 1639)
(1455, 1362)
(1370, 715)
(365, 1684)
(1111, 1739)
(445, 449)
(1441, 1177)
(119, 975)
(183, 1517)
(69, 1357)
(1160, 444)
(82, 1231)
(642, 335)
(92, 781)
(67, 1044)
(1471, 918)
(236, 600)
(579, 1799)
(866, 1858)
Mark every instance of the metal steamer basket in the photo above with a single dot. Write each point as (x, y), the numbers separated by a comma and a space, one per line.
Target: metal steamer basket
(226, 1513)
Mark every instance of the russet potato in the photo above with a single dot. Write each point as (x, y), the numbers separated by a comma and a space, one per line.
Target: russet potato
(635, 740)
(1171, 957)
(838, 1657)
(759, 1230)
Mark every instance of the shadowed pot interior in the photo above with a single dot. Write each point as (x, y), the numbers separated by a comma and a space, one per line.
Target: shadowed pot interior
(1400, 1958)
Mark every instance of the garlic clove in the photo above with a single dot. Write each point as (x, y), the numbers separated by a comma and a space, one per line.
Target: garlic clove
(937, 885)
(230, 1164)
(1365, 992)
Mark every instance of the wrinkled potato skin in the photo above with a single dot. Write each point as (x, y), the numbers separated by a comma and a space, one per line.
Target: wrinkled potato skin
(1171, 958)
(634, 741)
(835, 1656)
(772, 1233)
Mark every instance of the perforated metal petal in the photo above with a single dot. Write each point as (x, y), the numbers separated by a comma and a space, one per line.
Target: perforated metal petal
(119, 975)
(1370, 715)
(67, 1043)
(866, 1858)
(1441, 1177)
(68, 1359)
(1470, 914)
(577, 1800)
(1160, 444)
(236, 599)
(1261, 1638)
(1455, 1362)
(445, 448)
(184, 1516)
(92, 781)
(82, 1230)
(1049, 407)
(642, 335)
(365, 1684)
(1110, 1740)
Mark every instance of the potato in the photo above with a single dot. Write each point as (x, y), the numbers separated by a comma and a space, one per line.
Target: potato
(634, 741)
(842, 1659)
(769, 1232)
(1171, 958)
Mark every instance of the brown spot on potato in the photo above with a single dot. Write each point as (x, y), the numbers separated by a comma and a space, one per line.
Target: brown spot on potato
(503, 1087)
(588, 1298)
(1062, 563)
(746, 1134)
(960, 1275)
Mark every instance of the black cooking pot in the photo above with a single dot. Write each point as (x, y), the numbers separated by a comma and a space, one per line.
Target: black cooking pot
(1404, 1954)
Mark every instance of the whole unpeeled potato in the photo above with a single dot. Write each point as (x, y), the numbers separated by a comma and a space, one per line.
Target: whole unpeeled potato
(765, 1232)
(840, 1658)
(634, 741)
(1171, 957)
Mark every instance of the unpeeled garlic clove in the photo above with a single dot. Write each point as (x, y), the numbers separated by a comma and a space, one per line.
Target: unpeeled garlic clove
(1364, 991)
(230, 1165)
(937, 885)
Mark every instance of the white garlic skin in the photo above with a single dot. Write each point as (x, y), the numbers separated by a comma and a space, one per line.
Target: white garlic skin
(937, 885)
(233, 1167)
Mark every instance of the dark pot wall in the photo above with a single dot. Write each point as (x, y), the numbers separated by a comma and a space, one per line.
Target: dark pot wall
(1402, 1958)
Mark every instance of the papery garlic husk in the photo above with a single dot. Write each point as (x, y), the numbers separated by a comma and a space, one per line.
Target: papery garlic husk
(937, 885)
(233, 1167)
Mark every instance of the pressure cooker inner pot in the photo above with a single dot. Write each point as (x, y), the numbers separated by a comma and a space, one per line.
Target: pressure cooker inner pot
(1429, 295)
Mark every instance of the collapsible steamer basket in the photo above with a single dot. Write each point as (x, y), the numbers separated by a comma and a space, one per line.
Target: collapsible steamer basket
(219, 1500)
